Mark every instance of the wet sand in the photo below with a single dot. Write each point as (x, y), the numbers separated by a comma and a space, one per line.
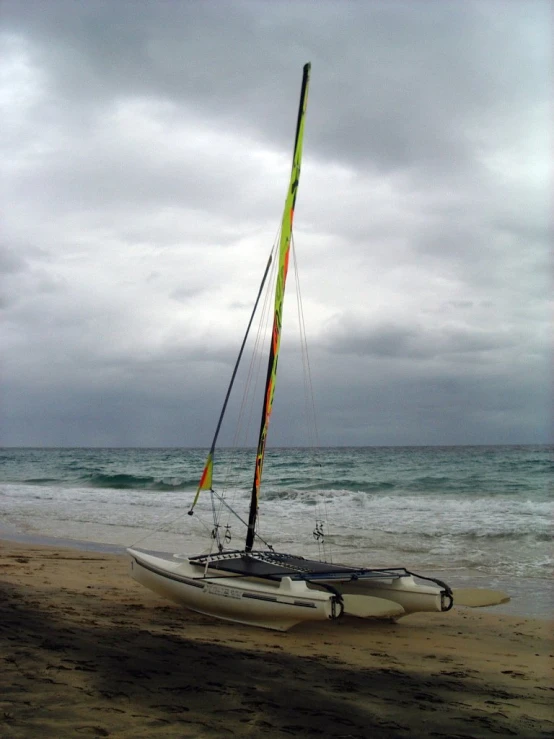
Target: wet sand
(86, 651)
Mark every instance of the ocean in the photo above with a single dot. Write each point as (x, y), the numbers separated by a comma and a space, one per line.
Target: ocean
(470, 515)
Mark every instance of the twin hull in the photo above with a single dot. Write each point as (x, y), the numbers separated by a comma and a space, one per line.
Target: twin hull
(269, 604)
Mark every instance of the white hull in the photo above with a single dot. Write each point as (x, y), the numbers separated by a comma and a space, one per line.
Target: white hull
(242, 600)
(283, 603)
(405, 591)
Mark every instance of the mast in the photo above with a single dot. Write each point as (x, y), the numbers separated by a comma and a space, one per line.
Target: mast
(284, 248)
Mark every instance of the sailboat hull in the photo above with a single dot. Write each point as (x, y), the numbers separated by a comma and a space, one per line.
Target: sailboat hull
(278, 606)
(273, 594)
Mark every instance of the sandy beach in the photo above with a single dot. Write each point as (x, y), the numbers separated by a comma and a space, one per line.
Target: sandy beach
(87, 652)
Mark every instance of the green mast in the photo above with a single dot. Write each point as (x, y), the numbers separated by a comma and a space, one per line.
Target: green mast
(284, 248)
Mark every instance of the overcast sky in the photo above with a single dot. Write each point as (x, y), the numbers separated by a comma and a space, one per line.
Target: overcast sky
(145, 157)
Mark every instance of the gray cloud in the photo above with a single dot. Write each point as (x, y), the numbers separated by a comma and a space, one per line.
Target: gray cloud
(145, 154)
(417, 343)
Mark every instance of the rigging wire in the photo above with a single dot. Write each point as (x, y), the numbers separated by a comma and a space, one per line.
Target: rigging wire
(310, 411)
(244, 422)
(219, 504)
(170, 518)
(310, 408)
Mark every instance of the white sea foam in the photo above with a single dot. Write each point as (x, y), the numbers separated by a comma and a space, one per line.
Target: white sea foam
(488, 535)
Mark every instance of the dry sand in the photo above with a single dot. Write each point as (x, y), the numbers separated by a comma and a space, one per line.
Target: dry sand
(86, 651)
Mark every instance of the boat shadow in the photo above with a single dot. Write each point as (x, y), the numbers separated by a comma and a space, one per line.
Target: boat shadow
(129, 669)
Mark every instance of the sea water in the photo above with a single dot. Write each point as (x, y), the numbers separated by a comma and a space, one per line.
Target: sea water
(470, 515)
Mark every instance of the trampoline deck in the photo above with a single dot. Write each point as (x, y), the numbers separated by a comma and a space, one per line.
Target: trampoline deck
(274, 566)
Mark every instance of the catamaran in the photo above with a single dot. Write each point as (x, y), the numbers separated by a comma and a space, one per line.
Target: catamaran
(257, 585)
